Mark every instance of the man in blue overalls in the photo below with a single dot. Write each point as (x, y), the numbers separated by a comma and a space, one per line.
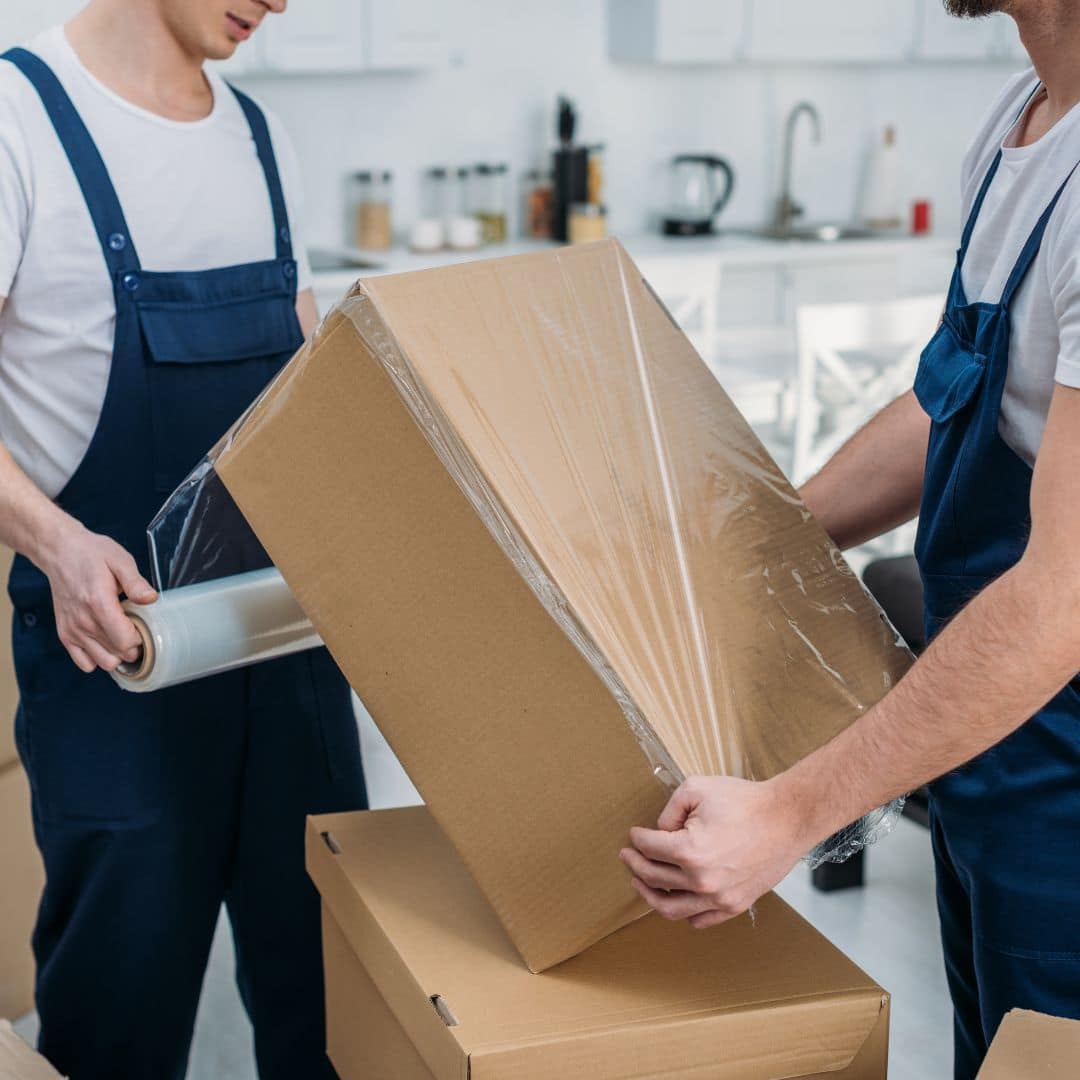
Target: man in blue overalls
(989, 446)
(150, 291)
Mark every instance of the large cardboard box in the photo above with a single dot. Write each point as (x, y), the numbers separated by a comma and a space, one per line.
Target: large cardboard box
(21, 880)
(9, 692)
(555, 563)
(422, 982)
(1032, 1046)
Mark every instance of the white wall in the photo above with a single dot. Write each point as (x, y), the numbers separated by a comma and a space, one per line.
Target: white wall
(511, 59)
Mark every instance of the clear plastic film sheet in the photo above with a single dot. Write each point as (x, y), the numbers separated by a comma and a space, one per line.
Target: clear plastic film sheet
(630, 495)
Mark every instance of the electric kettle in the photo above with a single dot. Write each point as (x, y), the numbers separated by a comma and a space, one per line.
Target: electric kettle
(695, 195)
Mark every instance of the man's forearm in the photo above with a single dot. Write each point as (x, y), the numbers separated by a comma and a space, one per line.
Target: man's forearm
(29, 520)
(997, 663)
(874, 483)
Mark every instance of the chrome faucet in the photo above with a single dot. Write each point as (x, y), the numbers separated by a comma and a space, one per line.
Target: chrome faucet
(787, 209)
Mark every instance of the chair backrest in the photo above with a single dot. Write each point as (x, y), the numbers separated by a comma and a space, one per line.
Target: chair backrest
(837, 344)
(877, 325)
(689, 288)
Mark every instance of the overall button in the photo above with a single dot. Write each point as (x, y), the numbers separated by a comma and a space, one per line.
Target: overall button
(130, 282)
(289, 270)
(29, 619)
(117, 241)
(284, 234)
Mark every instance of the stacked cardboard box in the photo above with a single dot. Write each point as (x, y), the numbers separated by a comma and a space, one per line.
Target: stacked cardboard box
(423, 983)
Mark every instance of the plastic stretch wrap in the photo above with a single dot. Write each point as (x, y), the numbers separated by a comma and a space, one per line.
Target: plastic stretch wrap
(638, 506)
(214, 626)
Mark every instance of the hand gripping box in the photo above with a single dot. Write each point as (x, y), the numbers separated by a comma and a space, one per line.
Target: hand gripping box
(422, 982)
(554, 562)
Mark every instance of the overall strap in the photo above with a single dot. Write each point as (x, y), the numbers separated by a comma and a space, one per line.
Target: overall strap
(1031, 248)
(265, 149)
(976, 206)
(86, 162)
(969, 225)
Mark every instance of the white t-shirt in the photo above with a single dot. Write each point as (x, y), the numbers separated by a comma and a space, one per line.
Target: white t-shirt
(194, 198)
(1045, 338)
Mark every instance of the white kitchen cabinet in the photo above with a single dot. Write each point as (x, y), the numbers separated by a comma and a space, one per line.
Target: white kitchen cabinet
(676, 31)
(406, 33)
(830, 30)
(315, 35)
(941, 36)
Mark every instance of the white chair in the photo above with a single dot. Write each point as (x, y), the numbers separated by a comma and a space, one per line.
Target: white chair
(854, 359)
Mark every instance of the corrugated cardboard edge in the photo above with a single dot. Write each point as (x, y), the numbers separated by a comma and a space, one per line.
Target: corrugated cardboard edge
(533, 1059)
(748, 1053)
(1033, 1045)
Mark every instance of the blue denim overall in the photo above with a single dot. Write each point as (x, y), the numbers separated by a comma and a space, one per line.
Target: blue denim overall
(1005, 826)
(152, 809)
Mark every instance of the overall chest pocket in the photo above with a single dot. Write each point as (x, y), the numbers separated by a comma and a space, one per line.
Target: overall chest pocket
(206, 363)
(949, 375)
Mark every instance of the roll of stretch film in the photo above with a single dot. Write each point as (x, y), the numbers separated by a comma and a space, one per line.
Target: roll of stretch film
(214, 626)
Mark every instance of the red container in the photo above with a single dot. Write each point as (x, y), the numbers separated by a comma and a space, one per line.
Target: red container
(920, 217)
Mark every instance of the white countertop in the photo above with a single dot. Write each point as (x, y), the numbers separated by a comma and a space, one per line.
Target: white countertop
(735, 249)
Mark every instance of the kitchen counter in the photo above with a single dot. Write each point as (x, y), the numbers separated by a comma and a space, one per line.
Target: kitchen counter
(727, 249)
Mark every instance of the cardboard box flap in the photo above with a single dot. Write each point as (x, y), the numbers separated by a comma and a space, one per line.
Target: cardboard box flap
(1033, 1046)
(539, 539)
(774, 988)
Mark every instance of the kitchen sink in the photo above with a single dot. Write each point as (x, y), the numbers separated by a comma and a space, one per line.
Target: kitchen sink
(823, 233)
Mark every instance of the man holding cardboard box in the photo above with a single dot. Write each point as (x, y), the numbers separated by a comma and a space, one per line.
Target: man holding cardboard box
(151, 810)
(993, 707)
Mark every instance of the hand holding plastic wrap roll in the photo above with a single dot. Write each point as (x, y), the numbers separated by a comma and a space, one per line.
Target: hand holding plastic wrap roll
(713, 624)
(214, 626)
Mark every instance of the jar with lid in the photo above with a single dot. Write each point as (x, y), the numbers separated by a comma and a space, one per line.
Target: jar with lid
(459, 183)
(537, 194)
(490, 202)
(428, 232)
(463, 231)
(587, 222)
(435, 194)
(370, 200)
